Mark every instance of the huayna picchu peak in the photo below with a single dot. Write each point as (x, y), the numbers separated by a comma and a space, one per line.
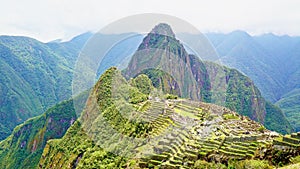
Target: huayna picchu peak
(163, 29)
(202, 80)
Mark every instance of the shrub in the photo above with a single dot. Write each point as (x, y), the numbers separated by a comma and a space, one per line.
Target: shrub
(143, 83)
(249, 164)
(170, 96)
(201, 164)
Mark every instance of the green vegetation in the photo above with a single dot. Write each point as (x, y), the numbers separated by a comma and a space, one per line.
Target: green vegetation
(162, 80)
(250, 164)
(142, 83)
(24, 147)
(34, 77)
(142, 122)
(92, 140)
(230, 116)
(295, 160)
(176, 72)
(271, 61)
(136, 96)
(145, 106)
(261, 129)
(274, 119)
(201, 164)
(170, 96)
(243, 97)
(290, 105)
(76, 150)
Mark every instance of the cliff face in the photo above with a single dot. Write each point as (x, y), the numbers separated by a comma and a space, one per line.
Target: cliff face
(161, 50)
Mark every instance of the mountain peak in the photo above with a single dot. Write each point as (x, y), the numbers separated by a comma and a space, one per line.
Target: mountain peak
(240, 34)
(163, 29)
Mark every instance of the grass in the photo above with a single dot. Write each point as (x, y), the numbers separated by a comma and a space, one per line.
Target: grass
(185, 113)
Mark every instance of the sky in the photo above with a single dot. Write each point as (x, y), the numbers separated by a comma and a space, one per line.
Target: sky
(48, 20)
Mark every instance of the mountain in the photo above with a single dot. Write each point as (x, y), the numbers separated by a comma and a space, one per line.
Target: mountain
(132, 121)
(202, 81)
(34, 77)
(24, 147)
(115, 132)
(239, 50)
(147, 117)
(271, 61)
(160, 49)
(247, 54)
(139, 122)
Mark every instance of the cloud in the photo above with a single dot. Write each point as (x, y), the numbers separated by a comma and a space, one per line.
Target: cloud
(50, 19)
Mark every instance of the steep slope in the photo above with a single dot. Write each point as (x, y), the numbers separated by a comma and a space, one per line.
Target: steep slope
(244, 97)
(282, 48)
(290, 104)
(18, 100)
(173, 134)
(70, 49)
(160, 49)
(33, 77)
(271, 61)
(24, 147)
(285, 50)
(240, 51)
(80, 145)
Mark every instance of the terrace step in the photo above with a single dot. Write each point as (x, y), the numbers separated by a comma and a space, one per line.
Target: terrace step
(233, 154)
(155, 162)
(291, 140)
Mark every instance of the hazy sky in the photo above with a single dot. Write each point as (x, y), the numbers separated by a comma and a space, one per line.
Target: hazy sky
(47, 20)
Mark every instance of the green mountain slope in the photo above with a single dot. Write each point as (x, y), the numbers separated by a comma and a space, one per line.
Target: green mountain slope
(271, 61)
(290, 104)
(34, 77)
(24, 147)
(244, 97)
(18, 101)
